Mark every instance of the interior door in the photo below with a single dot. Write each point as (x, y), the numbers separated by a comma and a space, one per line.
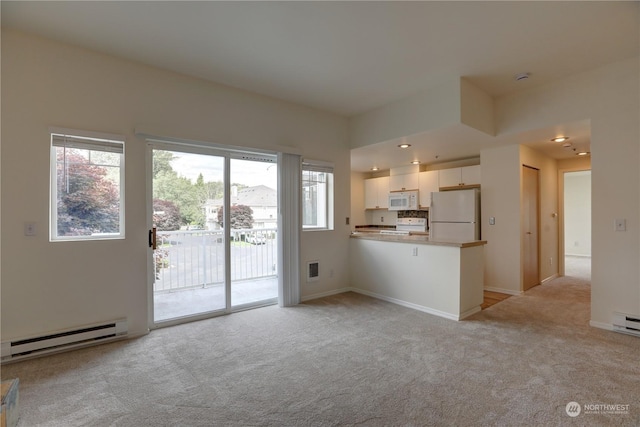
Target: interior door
(530, 227)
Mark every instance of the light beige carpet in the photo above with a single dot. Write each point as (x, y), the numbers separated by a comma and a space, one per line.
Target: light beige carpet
(349, 360)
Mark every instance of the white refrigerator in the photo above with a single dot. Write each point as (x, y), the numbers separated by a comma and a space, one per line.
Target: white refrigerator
(455, 215)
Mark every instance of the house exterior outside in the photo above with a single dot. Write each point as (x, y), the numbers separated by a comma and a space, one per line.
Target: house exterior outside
(261, 199)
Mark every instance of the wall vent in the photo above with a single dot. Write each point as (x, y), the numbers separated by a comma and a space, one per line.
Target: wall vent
(313, 271)
(63, 340)
(626, 323)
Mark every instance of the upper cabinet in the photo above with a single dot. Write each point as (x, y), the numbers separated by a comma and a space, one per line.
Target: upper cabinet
(376, 190)
(376, 193)
(428, 183)
(403, 182)
(455, 177)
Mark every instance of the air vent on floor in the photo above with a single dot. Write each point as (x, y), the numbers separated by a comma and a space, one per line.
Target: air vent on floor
(626, 323)
(313, 271)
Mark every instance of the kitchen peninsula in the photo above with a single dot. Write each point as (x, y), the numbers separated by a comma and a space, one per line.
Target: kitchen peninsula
(444, 278)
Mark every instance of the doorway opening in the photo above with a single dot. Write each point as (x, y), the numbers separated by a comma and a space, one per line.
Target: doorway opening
(576, 200)
(207, 261)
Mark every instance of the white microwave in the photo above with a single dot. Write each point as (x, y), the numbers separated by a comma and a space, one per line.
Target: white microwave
(403, 201)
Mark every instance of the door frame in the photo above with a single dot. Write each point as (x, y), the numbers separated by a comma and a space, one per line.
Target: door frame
(561, 242)
(227, 155)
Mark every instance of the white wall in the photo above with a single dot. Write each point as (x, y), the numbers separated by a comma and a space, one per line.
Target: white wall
(357, 199)
(577, 213)
(500, 199)
(381, 217)
(433, 108)
(49, 286)
(608, 96)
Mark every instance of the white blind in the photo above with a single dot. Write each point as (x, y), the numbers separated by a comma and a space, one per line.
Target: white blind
(317, 166)
(84, 143)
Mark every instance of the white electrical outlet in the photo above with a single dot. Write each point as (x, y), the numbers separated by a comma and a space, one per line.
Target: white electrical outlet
(29, 228)
(620, 224)
(415, 251)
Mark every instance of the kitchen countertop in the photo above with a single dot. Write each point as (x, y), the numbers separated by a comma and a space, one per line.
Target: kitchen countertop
(378, 230)
(415, 238)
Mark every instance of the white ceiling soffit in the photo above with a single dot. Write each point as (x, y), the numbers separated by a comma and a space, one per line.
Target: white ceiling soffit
(462, 142)
(346, 57)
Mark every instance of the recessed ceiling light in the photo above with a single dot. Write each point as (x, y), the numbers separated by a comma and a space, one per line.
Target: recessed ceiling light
(582, 153)
(404, 145)
(560, 139)
(375, 168)
(415, 162)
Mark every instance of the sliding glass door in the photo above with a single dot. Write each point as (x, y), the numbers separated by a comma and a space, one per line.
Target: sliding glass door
(254, 232)
(202, 266)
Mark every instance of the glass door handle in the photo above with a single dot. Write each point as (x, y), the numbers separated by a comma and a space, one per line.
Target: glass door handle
(152, 239)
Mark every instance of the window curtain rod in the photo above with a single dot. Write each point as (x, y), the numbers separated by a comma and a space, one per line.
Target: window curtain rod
(156, 136)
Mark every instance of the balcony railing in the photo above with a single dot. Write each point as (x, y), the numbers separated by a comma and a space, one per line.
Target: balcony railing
(195, 259)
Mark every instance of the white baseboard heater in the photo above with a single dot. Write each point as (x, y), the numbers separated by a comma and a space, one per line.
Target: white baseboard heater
(626, 323)
(64, 340)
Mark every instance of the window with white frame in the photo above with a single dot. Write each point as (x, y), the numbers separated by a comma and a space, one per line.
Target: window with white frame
(87, 187)
(317, 195)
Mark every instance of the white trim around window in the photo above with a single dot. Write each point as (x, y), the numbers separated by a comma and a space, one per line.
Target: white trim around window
(317, 195)
(76, 156)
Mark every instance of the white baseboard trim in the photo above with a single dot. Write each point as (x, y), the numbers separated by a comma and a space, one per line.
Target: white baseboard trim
(600, 325)
(411, 305)
(502, 290)
(578, 255)
(325, 294)
(468, 313)
(550, 278)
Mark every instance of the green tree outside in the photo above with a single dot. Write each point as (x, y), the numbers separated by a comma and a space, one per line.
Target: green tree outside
(88, 200)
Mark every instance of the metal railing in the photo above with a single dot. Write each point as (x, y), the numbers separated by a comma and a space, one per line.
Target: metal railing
(195, 258)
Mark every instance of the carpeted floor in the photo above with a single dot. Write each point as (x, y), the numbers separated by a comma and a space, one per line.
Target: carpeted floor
(349, 360)
(578, 267)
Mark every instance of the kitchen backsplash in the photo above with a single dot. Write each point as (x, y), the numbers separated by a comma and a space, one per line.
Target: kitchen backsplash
(413, 214)
(384, 217)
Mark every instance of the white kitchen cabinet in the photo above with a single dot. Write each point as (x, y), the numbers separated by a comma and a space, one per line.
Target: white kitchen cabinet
(403, 182)
(455, 177)
(428, 183)
(376, 193)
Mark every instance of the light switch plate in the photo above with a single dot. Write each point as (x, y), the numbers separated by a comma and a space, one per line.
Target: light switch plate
(29, 228)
